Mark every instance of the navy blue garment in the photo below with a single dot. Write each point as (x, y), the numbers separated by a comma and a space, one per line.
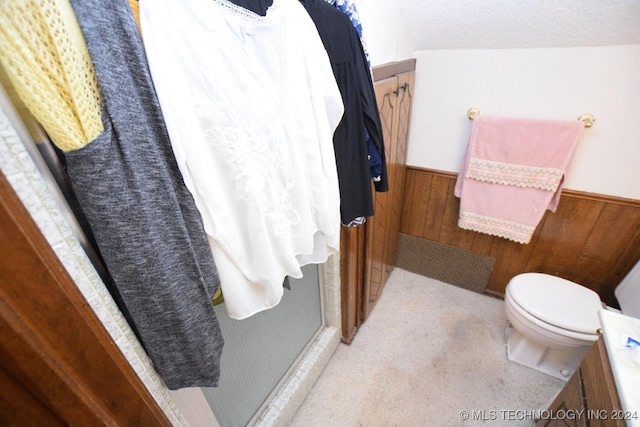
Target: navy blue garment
(351, 70)
(375, 161)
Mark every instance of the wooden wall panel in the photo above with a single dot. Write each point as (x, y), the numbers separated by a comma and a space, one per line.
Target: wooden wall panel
(591, 239)
(511, 259)
(437, 203)
(602, 260)
(417, 189)
(482, 243)
(450, 233)
(562, 236)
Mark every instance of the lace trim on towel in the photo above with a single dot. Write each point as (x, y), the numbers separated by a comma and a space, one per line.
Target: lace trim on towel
(542, 178)
(519, 233)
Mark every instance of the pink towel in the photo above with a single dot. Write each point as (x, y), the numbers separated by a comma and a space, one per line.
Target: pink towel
(513, 172)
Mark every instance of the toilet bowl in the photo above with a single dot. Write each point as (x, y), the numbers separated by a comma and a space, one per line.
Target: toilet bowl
(552, 321)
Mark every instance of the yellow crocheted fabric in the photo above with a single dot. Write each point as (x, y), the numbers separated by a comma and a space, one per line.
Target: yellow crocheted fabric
(44, 54)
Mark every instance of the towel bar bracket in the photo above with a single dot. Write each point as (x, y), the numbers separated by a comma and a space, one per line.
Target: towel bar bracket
(588, 119)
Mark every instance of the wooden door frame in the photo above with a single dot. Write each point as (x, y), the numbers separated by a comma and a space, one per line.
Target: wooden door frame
(56, 355)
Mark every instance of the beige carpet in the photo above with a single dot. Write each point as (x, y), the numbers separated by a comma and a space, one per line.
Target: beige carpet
(428, 351)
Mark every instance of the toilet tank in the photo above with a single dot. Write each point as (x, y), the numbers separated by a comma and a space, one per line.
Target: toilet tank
(628, 293)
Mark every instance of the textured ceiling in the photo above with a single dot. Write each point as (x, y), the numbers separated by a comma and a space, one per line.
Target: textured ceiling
(500, 24)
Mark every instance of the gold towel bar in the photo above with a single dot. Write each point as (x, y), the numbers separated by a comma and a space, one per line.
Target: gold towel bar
(587, 118)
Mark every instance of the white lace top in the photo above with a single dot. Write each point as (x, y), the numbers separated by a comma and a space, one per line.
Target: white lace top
(251, 105)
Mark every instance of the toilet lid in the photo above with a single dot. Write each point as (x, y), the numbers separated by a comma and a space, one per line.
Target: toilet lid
(557, 301)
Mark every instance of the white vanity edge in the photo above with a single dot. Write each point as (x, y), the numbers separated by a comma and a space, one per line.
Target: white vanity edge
(625, 361)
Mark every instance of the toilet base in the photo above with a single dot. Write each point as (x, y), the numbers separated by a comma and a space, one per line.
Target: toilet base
(559, 363)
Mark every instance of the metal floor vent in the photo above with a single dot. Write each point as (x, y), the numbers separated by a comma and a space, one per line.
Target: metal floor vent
(449, 264)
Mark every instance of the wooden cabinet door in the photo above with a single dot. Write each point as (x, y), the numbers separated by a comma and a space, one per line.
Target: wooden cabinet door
(398, 163)
(368, 256)
(59, 366)
(377, 227)
(569, 399)
(591, 392)
(599, 386)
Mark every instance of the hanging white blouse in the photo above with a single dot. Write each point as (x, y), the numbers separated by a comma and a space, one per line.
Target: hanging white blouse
(251, 105)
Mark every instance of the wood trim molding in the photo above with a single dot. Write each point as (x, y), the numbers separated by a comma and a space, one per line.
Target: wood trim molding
(437, 172)
(52, 344)
(390, 69)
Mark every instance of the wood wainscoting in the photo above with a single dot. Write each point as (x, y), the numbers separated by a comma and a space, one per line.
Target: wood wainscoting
(591, 239)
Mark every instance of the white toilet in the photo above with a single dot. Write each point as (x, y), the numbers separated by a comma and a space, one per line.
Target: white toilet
(553, 321)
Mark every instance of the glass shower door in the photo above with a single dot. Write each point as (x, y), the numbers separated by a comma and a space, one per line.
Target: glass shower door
(260, 350)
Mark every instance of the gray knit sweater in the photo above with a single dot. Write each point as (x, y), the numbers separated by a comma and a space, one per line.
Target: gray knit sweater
(144, 219)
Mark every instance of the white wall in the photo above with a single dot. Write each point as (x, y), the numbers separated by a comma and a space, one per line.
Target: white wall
(384, 31)
(552, 83)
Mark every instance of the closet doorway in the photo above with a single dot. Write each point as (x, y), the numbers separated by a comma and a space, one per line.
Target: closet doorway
(260, 350)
